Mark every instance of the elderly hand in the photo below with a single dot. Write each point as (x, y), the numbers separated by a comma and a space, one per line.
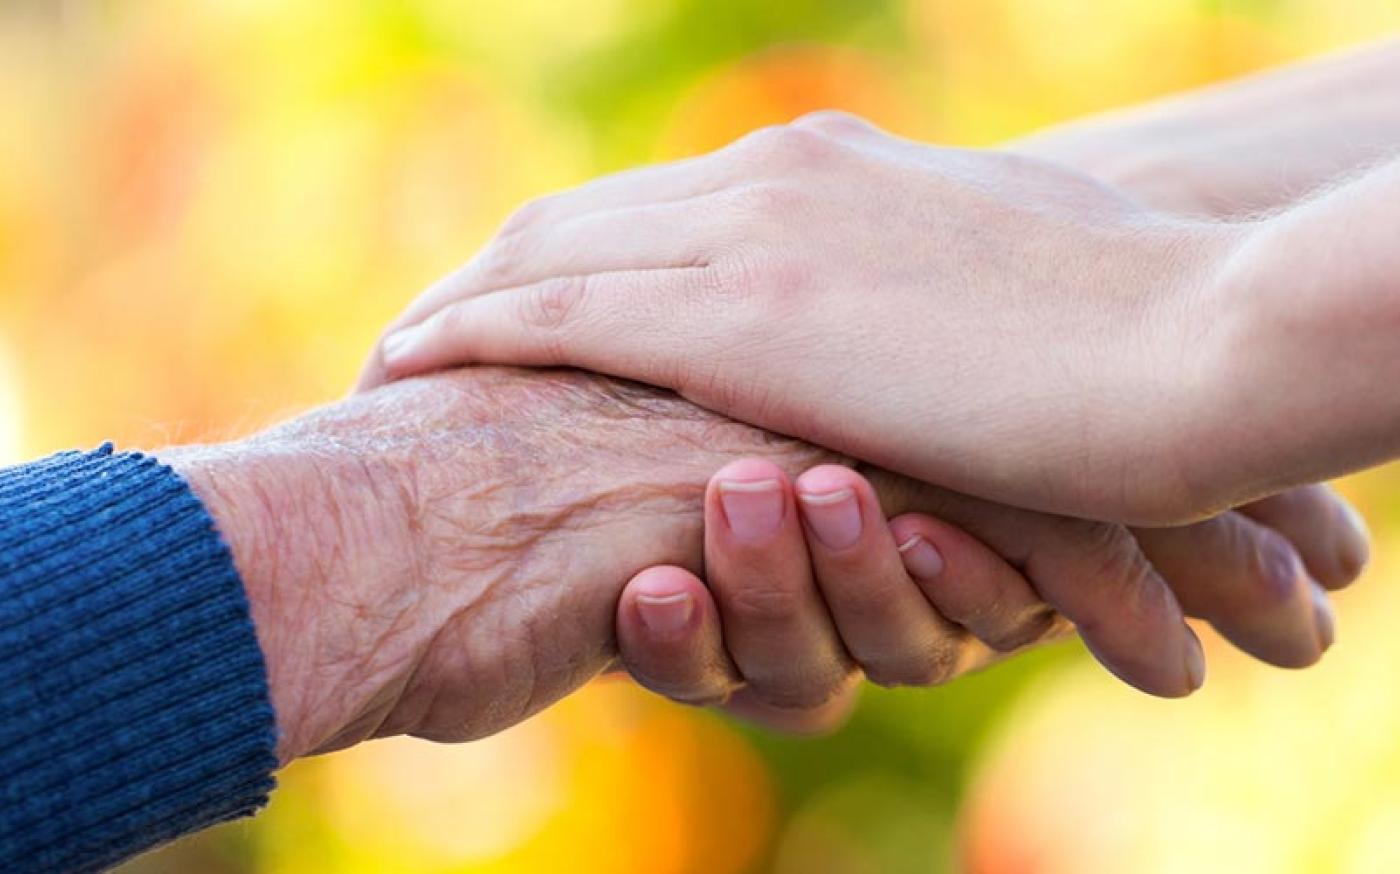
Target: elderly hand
(445, 556)
(988, 321)
(920, 601)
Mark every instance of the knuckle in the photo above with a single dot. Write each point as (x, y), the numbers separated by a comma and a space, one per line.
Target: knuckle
(1118, 566)
(973, 608)
(448, 321)
(834, 122)
(1112, 553)
(549, 305)
(526, 215)
(443, 735)
(790, 147)
(502, 258)
(731, 281)
(695, 692)
(706, 699)
(809, 692)
(1022, 633)
(865, 598)
(1275, 571)
(762, 605)
(759, 144)
(771, 281)
(932, 665)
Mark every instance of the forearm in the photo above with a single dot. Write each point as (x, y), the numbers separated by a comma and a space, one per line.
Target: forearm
(1305, 322)
(1306, 309)
(1242, 147)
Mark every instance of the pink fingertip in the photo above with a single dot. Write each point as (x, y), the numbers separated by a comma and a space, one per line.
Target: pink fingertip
(921, 558)
(665, 614)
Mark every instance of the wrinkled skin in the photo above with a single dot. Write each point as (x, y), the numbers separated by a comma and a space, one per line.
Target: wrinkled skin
(444, 556)
(521, 506)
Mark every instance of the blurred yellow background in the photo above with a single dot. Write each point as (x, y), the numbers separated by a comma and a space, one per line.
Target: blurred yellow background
(208, 209)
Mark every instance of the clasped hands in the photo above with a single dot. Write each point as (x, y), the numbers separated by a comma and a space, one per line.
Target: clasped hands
(1007, 367)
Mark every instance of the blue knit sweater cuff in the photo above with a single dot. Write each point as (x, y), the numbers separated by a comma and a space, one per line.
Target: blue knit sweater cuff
(134, 706)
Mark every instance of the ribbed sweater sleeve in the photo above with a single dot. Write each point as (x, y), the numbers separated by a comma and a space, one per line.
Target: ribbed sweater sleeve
(134, 705)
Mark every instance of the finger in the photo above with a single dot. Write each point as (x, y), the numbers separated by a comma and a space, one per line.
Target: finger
(885, 622)
(970, 585)
(669, 637)
(1093, 573)
(649, 236)
(670, 641)
(527, 326)
(636, 186)
(976, 655)
(1097, 576)
(823, 718)
(745, 159)
(667, 182)
(776, 626)
(667, 186)
(572, 320)
(1248, 581)
(1328, 533)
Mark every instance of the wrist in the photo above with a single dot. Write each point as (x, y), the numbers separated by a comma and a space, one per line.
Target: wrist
(295, 523)
(1308, 310)
(1185, 406)
(1245, 384)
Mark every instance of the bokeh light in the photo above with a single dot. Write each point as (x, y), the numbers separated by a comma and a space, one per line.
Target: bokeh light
(1263, 771)
(209, 208)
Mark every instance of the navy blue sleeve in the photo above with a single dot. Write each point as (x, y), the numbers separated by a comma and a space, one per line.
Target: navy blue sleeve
(134, 705)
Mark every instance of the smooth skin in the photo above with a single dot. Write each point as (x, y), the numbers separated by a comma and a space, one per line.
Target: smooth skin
(1242, 148)
(1004, 325)
(922, 289)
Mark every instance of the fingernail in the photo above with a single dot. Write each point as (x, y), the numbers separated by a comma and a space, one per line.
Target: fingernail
(1325, 618)
(1195, 662)
(920, 558)
(754, 509)
(665, 614)
(397, 344)
(1355, 548)
(833, 516)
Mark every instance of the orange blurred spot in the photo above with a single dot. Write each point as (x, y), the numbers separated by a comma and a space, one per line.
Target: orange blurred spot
(779, 85)
(612, 779)
(155, 118)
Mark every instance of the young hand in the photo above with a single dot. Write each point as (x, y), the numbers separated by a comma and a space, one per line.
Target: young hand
(987, 321)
